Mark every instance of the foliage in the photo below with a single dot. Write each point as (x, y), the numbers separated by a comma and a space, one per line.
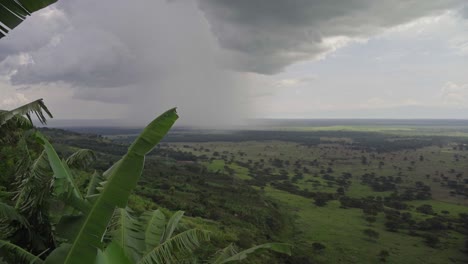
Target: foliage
(13, 12)
(372, 234)
(229, 254)
(19, 254)
(101, 213)
(97, 210)
(36, 107)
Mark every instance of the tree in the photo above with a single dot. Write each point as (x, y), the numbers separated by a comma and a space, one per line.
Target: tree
(431, 240)
(425, 209)
(370, 219)
(87, 218)
(33, 199)
(340, 191)
(318, 246)
(320, 201)
(87, 223)
(28, 178)
(97, 209)
(392, 225)
(371, 233)
(383, 254)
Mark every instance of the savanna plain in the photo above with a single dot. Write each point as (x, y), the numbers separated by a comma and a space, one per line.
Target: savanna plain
(381, 192)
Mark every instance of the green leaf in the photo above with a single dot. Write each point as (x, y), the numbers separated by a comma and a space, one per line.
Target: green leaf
(128, 234)
(69, 225)
(37, 107)
(154, 225)
(171, 225)
(63, 177)
(176, 248)
(35, 5)
(277, 247)
(113, 254)
(224, 253)
(19, 252)
(121, 180)
(81, 159)
(13, 12)
(11, 213)
(93, 184)
(58, 254)
(33, 180)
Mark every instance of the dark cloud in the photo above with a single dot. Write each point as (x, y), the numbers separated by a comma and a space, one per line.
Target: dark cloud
(154, 54)
(150, 55)
(267, 35)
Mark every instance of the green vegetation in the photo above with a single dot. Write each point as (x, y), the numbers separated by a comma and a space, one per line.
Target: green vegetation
(336, 190)
(15, 11)
(362, 198)
(345, 193)
(68, 224)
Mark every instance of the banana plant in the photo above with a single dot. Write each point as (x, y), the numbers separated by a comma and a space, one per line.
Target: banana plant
(27, 221)
(36, 107)
(100, 229)
(150, 239)
(13, 12)
(95, 211)
(230, 253)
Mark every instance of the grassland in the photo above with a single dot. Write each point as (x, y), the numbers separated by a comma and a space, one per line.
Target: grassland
(341, 230)
(220, 197)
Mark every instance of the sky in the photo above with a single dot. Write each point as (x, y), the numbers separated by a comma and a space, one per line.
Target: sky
(222, 61)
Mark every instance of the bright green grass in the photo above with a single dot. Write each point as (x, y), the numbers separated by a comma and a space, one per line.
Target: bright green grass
(241, 172)
(340, 230)
(358, 190)
(216, 165)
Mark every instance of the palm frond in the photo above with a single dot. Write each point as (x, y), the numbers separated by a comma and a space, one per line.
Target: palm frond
(154, 224)
(96, 178)
(113, 254)
(19, 121)
(14, 128)
(36, 107)
(33, 185)
(127, 232)
(226, 256)
(171, 226)
(63, 178)
(24, 160)
(81, 159)
(176, 248)
(19, 252)
(10, 213)
(121, 180)
(13, 12)
(224, 253)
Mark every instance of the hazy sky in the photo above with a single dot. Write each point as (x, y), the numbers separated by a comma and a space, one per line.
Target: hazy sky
(221, 61)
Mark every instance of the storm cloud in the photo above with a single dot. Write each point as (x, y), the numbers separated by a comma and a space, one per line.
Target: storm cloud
(150, 56)
(267, 35)
(200, 55)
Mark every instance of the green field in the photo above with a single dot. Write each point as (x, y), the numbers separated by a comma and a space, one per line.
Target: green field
(320, 191)
(341, 230)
